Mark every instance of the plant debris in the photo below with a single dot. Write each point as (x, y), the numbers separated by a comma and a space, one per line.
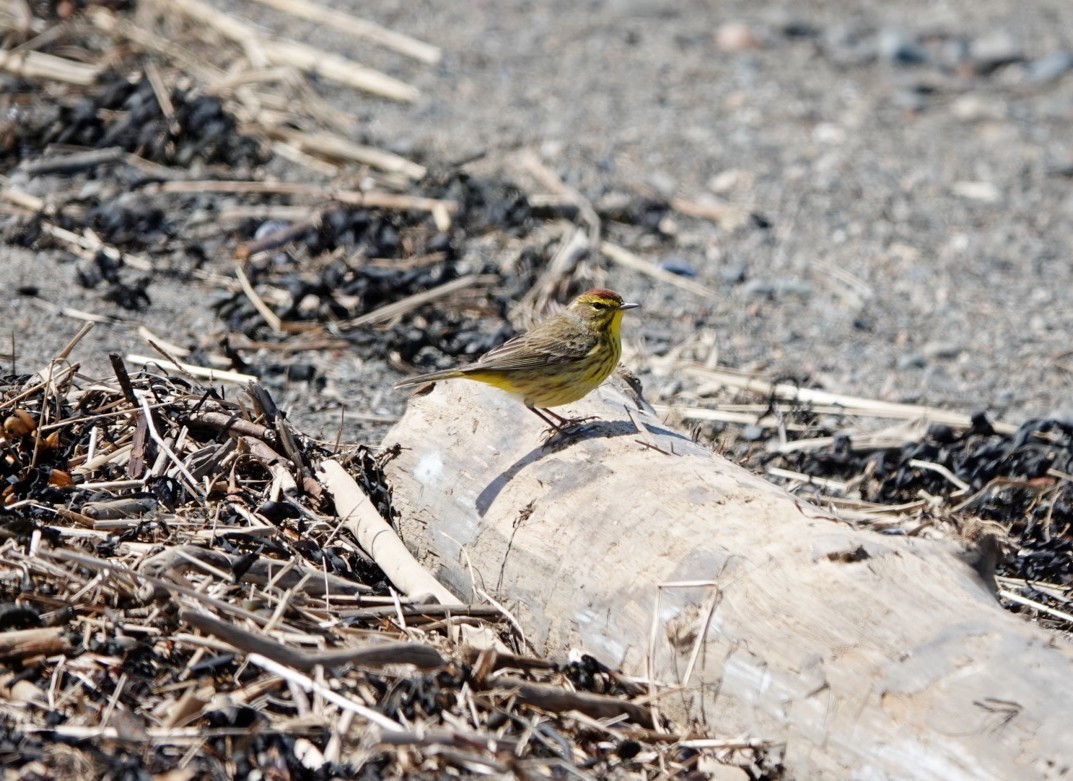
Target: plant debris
(180, 595)
(963, 474)
(179, 591)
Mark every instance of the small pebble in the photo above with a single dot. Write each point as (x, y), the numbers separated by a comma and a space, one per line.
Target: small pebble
(300, 372)
(785, 21)
(733, 273)
(849, 47)
(897, 48)
(795, 287)
(679, 266)
(953, 53)
(1004, 398)
(668, 226)
(731, 179)
(942, 350)
(663, 183)
(1063, 415)
(771, 287)
(1049, 68)
(268, 227)
(828, 133)
(736, 37)
(752, 433)
(985, 192)
(402, 146)
(914, 98)
(971, 107)
(1064, 170)
(912, 361)
(942, 434)
(991, 52)
(758, 287)
(1039, 324)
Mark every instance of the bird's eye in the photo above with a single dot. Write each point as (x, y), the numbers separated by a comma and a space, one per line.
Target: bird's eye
(599, 305)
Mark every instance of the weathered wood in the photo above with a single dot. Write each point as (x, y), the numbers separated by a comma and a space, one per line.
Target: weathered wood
(378, 539)
(872, 656)
(24, 643)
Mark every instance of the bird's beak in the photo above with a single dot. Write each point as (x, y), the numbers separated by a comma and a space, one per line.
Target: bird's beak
(627, 305)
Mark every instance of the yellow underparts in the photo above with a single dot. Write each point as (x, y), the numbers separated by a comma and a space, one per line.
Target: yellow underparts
(560, 384)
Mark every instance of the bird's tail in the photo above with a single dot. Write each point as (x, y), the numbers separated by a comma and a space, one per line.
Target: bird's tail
(423, 379)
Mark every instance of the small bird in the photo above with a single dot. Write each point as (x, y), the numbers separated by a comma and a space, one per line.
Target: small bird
(559, 361)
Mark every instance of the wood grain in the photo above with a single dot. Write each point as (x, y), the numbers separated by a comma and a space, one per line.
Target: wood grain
(872, 656)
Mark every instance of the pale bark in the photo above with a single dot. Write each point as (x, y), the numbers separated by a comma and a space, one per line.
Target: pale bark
(871, 656)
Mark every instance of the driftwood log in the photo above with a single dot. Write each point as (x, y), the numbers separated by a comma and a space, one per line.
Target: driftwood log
(870, 656)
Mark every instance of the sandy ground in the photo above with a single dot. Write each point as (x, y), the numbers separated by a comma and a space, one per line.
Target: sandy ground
(919, 199)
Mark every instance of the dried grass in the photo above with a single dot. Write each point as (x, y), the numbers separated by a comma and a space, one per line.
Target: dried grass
(188, 589)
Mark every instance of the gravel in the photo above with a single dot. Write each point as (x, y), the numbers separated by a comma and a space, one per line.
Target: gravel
(909, 162)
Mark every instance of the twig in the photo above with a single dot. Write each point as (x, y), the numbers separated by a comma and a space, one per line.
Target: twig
(160, 90)
(420, 614)
(75, 314)
(847, 404)
(284, 433)
(624, 257)
(399, 308)
(23, 643)
(339, 69)
(756, 417)
(174, 562)
(213, 375)
(1052, 590)
(273, 240)
(121, 27)
(352, 25)
(271, 318)
(332, 145)
(374, 655)
(372, 199)
(87, 246)
(725, 215)
(167, 354)
(72, 163)
(425, 738)
(282, 52)
(1059, 614)
(820, 482)
(65, 353)
(223, 421)
(191, 480)
(377, 538)
(963, 487)
(290, 152)
(558, 700)
(701, 640)
(19, 197)
(38, 65)
(308, 684)
(46, 379)
(123, 378)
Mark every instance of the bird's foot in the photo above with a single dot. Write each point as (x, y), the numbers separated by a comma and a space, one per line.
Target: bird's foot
(557, 424)
(564, 427)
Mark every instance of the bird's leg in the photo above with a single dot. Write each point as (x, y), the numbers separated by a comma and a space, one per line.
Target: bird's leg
(545, 415)
(557, 423)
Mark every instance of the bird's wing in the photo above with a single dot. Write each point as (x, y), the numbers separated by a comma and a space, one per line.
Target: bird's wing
(517, 353)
